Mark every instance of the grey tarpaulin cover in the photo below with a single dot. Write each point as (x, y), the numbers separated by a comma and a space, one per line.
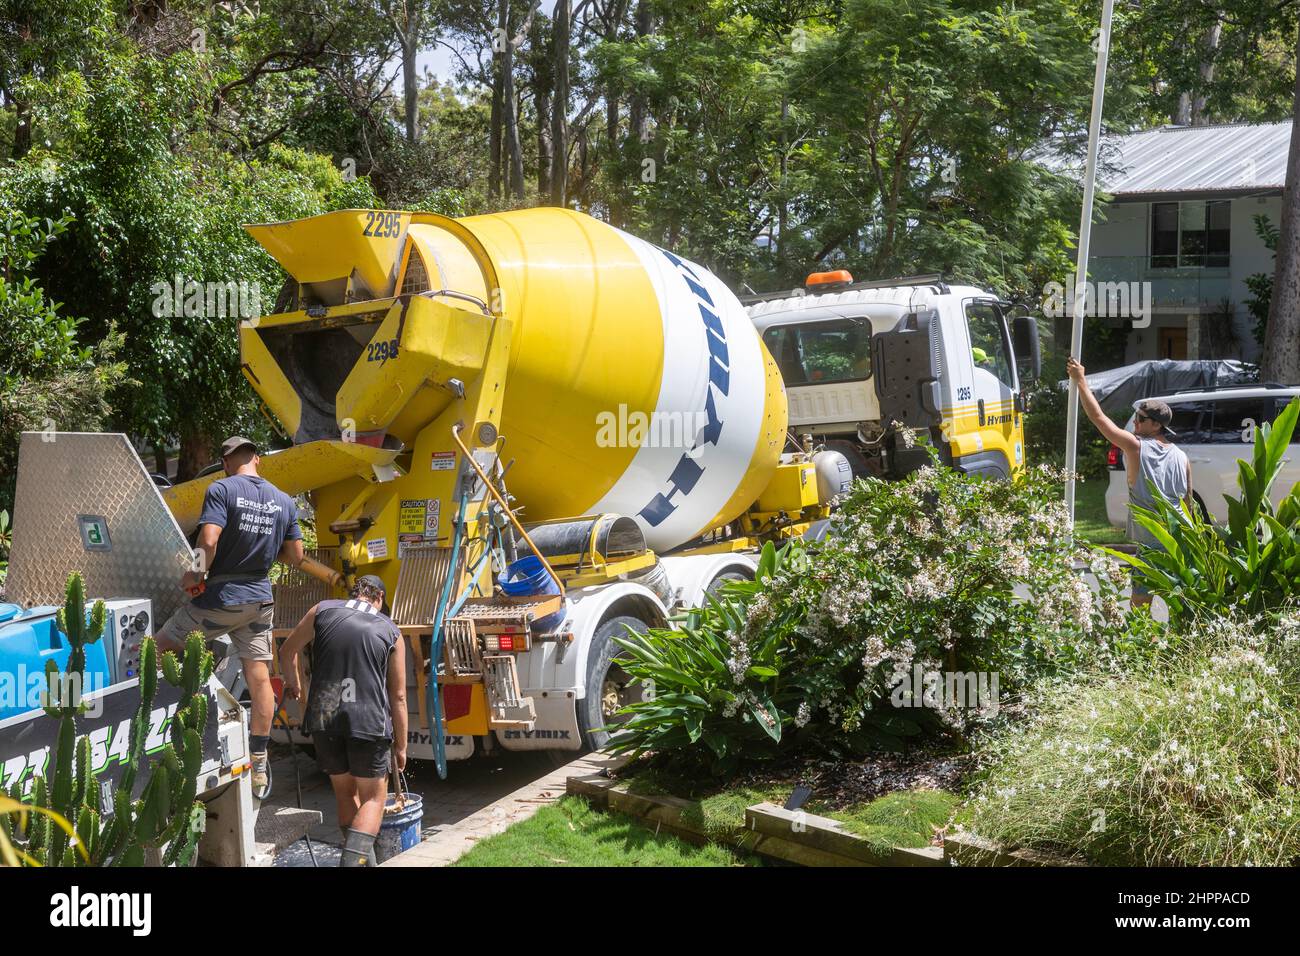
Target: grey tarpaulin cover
(1119, 388)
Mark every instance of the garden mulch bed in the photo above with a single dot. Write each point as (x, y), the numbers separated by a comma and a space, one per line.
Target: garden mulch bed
(840, 784)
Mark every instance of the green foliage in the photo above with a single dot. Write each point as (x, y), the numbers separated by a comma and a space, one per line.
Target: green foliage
(1252, 564)
(711, 704)
(166, 818)
(154, 201)
(35, 339)
(1187, 761)
(821, 649)
(571, 833)
(888, 139)
(46, 375)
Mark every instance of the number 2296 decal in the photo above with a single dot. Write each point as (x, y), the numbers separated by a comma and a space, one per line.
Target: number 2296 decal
(381, 351)
(383, 225)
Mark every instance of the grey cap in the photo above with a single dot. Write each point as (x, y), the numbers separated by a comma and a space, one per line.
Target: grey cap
(236, 442)
(1157, 411)
(372, 581)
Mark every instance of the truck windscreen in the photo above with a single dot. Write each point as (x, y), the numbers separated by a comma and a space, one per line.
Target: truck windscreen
(821, 353)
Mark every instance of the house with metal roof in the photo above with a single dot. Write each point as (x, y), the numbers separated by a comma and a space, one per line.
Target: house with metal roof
(1180, 228)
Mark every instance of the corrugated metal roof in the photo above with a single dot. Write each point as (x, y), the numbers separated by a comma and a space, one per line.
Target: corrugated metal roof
(1185, 159)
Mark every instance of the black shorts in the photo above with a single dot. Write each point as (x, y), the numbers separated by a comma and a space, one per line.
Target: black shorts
(362, 758)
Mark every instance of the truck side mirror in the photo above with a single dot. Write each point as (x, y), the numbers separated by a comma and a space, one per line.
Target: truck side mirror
(1029, 359)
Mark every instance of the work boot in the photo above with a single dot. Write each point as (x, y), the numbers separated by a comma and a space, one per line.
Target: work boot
(371, 858)
(358, 849)
(261, 773)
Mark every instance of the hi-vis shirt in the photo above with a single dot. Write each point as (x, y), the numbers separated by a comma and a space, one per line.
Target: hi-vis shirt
(255, 518)
(349, 671)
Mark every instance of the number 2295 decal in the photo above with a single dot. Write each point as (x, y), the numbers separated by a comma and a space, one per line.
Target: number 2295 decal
(383, 225)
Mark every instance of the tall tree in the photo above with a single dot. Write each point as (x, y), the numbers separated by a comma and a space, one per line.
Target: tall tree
(1281, 359)
(414, 24)
(561, 29)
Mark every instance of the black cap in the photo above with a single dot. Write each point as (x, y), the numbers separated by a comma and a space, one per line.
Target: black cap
(1158, 411)
(234, 443)
(372, 581)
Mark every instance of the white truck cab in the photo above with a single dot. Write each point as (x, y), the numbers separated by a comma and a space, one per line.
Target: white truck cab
(857, 357)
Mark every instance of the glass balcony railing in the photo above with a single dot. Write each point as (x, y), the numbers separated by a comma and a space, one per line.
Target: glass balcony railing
(1172, 285)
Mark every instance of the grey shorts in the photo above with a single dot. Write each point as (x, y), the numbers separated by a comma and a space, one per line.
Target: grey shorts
(248, 625)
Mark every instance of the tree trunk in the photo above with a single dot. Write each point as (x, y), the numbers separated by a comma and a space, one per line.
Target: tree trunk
(494, 132)
(542, 104)
(195, 454)
(560, 27)
(512, 155)
(22, 131)
(410, 88)
(637, 115)
(1209, 47)
(1281, 359)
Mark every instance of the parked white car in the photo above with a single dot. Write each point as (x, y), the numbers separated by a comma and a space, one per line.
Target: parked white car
(1215, 428)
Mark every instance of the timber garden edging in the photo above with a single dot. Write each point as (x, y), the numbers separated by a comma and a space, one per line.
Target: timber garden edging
(795, 836)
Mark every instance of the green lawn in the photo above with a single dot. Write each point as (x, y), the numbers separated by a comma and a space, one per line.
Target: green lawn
(906, 818)
(571, 833)
(1090, 521)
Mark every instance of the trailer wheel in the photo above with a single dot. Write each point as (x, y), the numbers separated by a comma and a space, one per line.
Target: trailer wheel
(608, 686)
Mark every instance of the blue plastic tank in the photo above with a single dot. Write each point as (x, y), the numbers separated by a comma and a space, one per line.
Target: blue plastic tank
(29, 638)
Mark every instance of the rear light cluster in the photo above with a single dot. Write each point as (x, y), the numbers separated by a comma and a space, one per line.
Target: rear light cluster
(1115, 459)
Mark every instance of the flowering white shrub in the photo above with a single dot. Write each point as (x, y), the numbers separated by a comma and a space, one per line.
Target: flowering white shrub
(1191, 760)
(940, 571)
(951, 573)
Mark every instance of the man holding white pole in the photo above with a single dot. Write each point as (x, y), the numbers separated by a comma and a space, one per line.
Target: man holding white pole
(1081, 260)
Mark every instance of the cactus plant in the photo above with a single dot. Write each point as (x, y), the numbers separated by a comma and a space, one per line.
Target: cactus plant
(166, 818)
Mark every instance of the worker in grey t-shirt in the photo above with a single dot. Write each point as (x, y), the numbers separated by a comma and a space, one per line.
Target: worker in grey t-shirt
(1148, 455)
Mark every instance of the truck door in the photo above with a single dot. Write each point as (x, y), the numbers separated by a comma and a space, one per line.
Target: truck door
(987, 435)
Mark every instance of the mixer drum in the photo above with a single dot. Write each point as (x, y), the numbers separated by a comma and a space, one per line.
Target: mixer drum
(637, 384)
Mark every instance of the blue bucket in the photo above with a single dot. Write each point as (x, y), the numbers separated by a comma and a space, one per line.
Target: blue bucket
(400, 829)
(527, 577)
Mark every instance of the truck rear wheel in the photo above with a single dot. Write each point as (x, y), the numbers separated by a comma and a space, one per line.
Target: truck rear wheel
(609, 687)
(718, 583)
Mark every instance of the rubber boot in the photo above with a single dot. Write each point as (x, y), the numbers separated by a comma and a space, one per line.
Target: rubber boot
(358, 849)
(371, 858)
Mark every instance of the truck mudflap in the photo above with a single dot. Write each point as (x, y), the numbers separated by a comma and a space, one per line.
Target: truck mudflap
(556, 726)
(419, 745)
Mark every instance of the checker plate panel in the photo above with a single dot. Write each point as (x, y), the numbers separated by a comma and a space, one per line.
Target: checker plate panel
(65, 474)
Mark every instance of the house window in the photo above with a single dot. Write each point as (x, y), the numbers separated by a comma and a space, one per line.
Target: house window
(1190, 235)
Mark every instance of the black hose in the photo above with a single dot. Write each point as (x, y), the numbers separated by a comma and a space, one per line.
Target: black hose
(297, 772)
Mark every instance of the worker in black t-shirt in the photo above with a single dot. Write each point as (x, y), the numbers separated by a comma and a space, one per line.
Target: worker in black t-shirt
(356, 708)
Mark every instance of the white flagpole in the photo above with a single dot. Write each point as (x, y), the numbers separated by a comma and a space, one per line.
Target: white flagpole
(1081, 258)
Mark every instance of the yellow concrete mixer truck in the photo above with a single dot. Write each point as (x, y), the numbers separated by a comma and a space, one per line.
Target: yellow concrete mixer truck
(539, 431)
